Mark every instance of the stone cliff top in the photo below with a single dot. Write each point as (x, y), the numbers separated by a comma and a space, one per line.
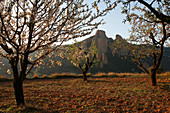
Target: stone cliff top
(118, 37)
(100, 34)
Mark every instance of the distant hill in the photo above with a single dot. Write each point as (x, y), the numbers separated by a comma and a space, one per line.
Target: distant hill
(107, 61)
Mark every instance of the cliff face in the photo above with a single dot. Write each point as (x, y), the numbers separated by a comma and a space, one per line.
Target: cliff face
(102, 44)
(104, 55)
(101, 41)
(108, 62)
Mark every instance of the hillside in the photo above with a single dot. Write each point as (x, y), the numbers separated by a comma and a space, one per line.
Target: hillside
(107, 61)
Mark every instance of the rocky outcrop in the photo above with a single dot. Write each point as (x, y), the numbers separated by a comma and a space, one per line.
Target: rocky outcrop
(107, 62)
(118, 37)
(102, 43)
(105, 57)
(124, 49)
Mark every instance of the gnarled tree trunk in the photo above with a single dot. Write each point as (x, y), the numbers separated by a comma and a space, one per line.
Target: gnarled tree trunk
(153, 77)
(18, 90)
(84, 76)
(18, 81)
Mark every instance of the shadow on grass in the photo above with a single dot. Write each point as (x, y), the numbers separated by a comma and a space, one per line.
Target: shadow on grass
(165, 86)
(56, 77)
(66, 77)
(95, 81)
(110, 76)
(33, 110)
(5, 79)
(27, 109)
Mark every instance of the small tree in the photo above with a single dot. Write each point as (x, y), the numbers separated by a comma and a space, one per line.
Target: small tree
(81, 57)
(32, 29)
(150, 30)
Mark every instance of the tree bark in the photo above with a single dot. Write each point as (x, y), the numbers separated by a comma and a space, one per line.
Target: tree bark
(84, 76)
(153, 77)
(18, 89)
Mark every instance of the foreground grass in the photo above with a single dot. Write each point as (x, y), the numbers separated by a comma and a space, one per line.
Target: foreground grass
(117, 94)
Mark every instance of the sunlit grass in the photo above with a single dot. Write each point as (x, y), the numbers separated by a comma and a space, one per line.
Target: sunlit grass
(165, 75)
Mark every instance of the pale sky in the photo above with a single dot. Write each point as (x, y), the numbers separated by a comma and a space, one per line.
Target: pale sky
(113, 24)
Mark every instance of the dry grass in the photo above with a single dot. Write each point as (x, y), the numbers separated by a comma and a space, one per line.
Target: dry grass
(165, 75)
(104, 94)
(3, 77)
(63, 75)
(112, 74)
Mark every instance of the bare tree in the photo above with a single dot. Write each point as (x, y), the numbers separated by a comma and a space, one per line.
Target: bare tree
(38, 27)
(151, 5)
(150, 28)
(81, 57)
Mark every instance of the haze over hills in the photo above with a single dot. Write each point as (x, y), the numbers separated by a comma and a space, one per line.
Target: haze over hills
(107, 61)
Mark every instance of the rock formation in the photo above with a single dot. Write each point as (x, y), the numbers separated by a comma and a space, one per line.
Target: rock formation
(107, 62)
(102, 43)
(118, 37)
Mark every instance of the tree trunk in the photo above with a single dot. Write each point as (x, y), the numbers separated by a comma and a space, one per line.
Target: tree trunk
(153, 77)
(84, 76)
(19, 95)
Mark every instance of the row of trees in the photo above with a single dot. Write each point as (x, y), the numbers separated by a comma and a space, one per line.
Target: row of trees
(36, 26)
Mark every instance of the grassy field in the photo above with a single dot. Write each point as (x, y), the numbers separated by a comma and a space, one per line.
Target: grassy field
(100, 94)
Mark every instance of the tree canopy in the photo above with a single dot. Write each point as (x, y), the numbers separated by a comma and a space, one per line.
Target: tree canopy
(32, 29)
(82, 57)
(150, 28)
